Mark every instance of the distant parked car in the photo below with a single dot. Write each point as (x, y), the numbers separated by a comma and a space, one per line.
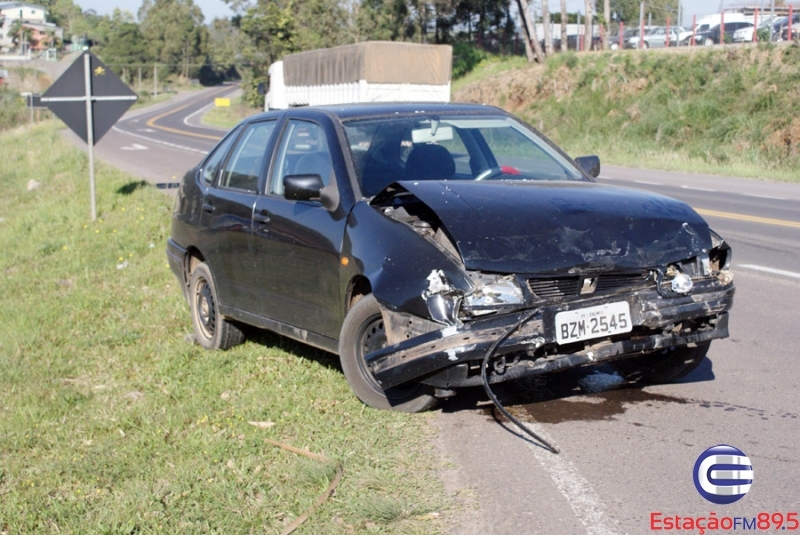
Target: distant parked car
(657, 37)
(780, 28)
(712, 36)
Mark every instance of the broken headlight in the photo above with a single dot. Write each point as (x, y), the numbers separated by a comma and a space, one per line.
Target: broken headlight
(494, 296)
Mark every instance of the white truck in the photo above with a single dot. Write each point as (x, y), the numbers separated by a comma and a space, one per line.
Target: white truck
(372, 71)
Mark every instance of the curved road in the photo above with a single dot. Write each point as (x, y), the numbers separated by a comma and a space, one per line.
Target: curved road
(626, 452)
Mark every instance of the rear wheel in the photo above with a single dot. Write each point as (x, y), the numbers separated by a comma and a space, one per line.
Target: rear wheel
(211, 330)
(362, 333)
(665, 367)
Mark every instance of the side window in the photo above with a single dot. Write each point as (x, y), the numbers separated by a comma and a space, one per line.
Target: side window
(244, 164)
(304, 151)
(213, 163)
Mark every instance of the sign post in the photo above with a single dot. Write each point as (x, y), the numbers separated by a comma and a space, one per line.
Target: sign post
(89, 99)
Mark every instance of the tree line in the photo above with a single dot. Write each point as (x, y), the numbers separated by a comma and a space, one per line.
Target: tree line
(175, 35)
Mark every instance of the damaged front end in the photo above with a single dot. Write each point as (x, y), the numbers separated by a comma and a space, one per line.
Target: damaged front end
(572, 313)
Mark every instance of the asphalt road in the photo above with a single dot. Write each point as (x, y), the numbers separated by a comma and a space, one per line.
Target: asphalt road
(626, 451)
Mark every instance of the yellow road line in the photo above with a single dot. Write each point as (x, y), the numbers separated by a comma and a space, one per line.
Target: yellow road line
(152, 122)
(750, 218)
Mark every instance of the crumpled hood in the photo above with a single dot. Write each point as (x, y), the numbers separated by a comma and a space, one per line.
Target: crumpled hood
(547, 227)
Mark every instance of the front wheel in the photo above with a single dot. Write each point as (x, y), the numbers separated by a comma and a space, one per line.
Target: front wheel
(709, 41)
(362, 333)
(665, 367)
(211, 330)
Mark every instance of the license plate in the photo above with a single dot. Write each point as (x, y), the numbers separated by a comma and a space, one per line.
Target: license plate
(593, 322)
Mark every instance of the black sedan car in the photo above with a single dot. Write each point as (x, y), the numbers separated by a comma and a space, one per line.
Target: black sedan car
(439, 246)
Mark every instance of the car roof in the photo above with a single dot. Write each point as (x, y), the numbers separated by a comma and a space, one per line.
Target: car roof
(382, 109)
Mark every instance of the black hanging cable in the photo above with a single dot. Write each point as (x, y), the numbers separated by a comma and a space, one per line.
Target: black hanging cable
(494, 399)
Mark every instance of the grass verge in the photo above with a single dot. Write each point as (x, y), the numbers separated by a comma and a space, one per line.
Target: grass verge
(111, 422)
(229, 116)
(730, 111)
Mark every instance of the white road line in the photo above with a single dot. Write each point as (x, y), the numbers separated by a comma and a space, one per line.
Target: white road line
(764, 197)
(649, 183)
(697, 189)
(201, 110)
(585, 502)
(774, 271)
(173, 145)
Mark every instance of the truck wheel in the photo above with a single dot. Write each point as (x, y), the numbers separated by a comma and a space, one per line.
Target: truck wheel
(708, 41)
(211, 330)
(665, 367)
(362, 333)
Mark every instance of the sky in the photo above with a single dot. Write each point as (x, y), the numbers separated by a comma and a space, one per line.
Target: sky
(211, 8)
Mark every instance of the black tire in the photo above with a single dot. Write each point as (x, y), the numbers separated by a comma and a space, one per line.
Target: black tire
(362, 333)
(665, 367)
(211, 330)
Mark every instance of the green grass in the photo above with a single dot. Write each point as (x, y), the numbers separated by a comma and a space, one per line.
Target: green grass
(733, 111)
(111, 422)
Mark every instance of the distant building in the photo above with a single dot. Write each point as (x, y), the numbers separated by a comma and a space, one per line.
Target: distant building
(34, 18)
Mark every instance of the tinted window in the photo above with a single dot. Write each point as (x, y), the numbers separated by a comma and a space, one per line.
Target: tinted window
(303, 151)
(214, 162)
(244, 164)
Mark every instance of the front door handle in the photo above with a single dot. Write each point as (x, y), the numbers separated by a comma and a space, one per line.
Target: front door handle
(208, 207)
(262, 217)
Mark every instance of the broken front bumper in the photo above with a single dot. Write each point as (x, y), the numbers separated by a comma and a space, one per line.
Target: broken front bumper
(447, 357)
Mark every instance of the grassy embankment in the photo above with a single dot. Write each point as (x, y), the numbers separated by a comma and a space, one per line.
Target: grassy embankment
(111, 422)
(728, 111)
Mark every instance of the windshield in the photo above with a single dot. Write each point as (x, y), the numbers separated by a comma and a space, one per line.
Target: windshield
(428, 147)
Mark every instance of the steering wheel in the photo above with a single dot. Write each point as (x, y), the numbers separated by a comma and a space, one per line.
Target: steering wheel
(492, 172)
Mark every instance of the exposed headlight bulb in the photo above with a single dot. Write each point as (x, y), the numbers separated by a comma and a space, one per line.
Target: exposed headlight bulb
(682, 284)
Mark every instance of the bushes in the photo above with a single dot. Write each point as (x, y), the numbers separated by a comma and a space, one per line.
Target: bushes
(13, 110)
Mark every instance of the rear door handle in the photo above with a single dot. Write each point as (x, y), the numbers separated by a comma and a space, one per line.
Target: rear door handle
(262, 217)
(208, 207)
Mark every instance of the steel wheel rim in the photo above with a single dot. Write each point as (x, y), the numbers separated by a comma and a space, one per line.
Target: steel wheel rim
(205, 310)
(372, 337)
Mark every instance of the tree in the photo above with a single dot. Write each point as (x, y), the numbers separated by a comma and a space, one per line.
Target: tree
(126, 46)
(564, 25)
(384, 20)
(175, 34)
(530, 32)
(628, 10)
(548, 38)
(21, 34)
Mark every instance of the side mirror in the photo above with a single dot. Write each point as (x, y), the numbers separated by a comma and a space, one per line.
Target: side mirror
(261, 88)
(590, 164)
(302, 187)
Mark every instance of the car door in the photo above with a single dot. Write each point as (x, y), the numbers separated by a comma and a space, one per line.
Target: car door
(657, 39)
(297, 244)
(227, 213)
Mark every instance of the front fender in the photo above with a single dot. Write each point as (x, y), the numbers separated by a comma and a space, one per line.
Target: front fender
(396, 260)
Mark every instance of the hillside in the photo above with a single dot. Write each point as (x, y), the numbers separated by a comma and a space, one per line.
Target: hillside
(731, 111)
